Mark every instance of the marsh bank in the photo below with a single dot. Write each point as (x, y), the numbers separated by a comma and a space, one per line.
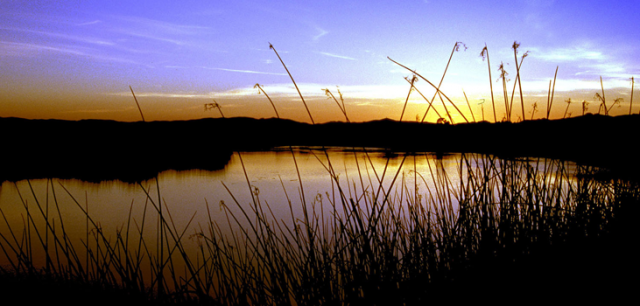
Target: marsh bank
(97, 150)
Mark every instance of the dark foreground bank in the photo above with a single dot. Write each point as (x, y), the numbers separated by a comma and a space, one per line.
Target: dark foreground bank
(104, 150)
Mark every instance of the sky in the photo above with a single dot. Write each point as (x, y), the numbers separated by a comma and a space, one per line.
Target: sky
(77, 59)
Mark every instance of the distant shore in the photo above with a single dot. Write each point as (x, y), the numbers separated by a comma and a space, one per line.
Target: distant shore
(98, 150)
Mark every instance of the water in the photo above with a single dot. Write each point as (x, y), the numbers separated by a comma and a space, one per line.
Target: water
(189, 200)
(273, 177)
(511, 203)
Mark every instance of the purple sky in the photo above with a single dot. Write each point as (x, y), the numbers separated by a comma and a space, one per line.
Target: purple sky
(77, 59)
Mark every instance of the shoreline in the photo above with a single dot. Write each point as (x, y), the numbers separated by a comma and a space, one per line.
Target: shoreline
(99, 150)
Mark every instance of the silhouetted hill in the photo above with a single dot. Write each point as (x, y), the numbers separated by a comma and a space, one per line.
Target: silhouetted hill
(103, 149)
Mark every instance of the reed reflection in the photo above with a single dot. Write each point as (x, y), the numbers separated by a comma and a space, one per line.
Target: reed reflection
(406, 220)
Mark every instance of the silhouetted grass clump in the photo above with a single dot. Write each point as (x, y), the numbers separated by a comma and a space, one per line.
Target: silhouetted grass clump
(495, 229)
(496, 223)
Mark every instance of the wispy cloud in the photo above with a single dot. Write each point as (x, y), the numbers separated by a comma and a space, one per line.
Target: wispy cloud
(153, 37)
(185, 95)
(94, 111)
(8, 48)
(27, 49)
(315, 90)
(244, 71)
(336, 56)
(163, 27)
(574, 54)
(319, 35)
(89, 40)
(89, 23)
(156, 30)
(587, 59)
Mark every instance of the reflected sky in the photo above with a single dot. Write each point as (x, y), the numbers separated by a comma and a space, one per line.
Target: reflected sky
(186, 193)
(191, 199)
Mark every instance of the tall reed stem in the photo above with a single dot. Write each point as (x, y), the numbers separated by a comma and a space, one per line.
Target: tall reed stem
(260, 89)
(550, 102)
(515, 47)
(413, 80)
(631, 102)
(138, 104)
(456, 47)
(604, 100)
(294, 82)
(485, 52)
(432, 85)
(469, 104)
(507, 107)
(425, 98)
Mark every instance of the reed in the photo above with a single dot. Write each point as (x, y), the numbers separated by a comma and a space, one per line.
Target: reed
(507, 105)
(568, 101)
(292, 80)
(413, 80)
(390, 241)
(485, 53)
(138, 104)
(402, 246)
(631, 99)
(428, 101)
(552, 91)
(602, 98)
(342, 108)
(469, 105)
(438, 91)
(261, 90)
(515, 47)
(456, 48)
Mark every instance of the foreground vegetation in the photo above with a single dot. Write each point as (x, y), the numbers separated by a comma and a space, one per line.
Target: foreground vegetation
(511, 228)
(496, 224)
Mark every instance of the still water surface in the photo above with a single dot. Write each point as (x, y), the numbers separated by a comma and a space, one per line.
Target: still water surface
(191, 199)
(272, 172)
(273, 177)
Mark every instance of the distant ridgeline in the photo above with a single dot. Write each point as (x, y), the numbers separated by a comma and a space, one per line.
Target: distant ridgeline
(97, 150)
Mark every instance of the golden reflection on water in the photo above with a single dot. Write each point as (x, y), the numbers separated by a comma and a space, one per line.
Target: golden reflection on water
(184, 195)
(272, 174)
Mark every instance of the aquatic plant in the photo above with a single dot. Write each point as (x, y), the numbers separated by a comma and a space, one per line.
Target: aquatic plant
(631, 99)
(507, 105)
(261, 90)
(515, 47)
(485, 54)
(411, 82)
(292, 80)
(402, 244)
(212, 106)
(469, 105)
(568, 101)
(384, 241)
(551, 93)
(425, 98)
(438, 91)
(138, 104)
(341, 106)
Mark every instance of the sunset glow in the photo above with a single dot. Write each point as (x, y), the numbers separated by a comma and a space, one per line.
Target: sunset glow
(76, 59)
